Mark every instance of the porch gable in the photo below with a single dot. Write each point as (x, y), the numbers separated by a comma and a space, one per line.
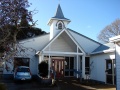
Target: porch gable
(63, 42)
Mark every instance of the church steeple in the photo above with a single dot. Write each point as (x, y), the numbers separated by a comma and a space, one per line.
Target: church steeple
(58, 22)
(59, 14)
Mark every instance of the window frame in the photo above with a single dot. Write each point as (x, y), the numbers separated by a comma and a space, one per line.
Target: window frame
(87, 65)
(60, 25)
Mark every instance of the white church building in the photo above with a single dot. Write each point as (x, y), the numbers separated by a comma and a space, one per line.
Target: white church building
(70, 53)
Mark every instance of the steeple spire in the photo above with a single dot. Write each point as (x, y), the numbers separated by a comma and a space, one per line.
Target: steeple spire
(59, 13)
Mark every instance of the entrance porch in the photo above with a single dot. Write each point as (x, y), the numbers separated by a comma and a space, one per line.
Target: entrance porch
(67, 65)
(64, 56)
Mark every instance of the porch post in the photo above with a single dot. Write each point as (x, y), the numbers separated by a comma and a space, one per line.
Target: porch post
(117, 62)
(49, 64)
(113, 72)
(42, 57)
(77, 62)
(83, 66)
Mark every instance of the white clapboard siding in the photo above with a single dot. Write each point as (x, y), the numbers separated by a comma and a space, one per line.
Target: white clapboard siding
(36, 43)
(98, 66)
(61, 45)
(118, 67)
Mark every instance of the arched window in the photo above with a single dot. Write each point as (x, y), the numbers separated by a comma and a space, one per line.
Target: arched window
(60, 25)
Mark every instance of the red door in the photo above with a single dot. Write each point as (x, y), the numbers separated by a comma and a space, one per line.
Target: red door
(58, 67)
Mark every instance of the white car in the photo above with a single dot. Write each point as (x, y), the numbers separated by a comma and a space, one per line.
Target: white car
(22, 73)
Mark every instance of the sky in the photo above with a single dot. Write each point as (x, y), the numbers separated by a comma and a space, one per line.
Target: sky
(88, 17)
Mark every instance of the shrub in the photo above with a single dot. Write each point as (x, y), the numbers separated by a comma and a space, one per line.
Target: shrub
(43, 69)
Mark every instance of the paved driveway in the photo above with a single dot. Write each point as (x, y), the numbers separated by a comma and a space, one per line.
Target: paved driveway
(34, 85)
(69, 84)
(25, 85)
(74, 84)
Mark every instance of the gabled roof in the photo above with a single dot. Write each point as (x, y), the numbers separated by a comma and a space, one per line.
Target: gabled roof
(86, 43)
(83, 35)
(36, 43)
(65, 30)
(104, 48)
(101, 48)
(80, 40)
(39, 36)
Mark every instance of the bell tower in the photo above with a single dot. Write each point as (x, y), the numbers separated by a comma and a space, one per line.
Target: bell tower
(57, 23)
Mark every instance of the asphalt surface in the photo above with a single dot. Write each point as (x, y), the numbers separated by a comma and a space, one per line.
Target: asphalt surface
(35, 85)
(61, 84)
(27, 85)
(75, 84)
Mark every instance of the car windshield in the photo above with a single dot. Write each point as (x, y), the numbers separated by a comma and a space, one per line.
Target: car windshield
(23, 70)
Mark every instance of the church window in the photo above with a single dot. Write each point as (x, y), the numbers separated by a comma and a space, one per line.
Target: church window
(87, 65)
(60, 25)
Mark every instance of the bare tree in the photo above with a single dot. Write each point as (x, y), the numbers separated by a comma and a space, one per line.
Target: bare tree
(11, 14)
(110, 31)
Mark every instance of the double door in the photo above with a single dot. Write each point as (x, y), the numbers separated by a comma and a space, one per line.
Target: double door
(58, 67)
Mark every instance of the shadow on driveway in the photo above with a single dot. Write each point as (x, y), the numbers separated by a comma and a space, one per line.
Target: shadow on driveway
(74, 84)
(26, 85)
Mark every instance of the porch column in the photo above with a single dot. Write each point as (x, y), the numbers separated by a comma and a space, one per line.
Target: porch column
(117, 58)
(49, 65)
(113, 72)
(42, 57)
(77, 62)
(83, 66)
